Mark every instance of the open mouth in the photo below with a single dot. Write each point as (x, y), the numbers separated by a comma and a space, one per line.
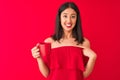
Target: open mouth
(68, 25)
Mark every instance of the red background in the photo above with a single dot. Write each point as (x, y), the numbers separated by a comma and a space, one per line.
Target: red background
(23, 23)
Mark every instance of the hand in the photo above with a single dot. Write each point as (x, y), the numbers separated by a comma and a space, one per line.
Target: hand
(89, 53)
(35, 51)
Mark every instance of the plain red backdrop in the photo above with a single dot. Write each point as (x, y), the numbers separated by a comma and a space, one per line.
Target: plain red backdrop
(23, 23)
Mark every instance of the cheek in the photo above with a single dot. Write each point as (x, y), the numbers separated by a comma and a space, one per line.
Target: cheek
(62, 21)
(74, 21)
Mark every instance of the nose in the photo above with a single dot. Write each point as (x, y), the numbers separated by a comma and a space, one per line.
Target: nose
(69, 20)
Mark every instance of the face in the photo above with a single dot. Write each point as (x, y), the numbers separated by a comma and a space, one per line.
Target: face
(68, 19)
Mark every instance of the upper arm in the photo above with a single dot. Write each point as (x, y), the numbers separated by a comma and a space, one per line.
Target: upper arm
(48, 40)
(87, 50)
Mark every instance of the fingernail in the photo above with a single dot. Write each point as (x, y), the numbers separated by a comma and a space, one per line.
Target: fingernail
(37, 44)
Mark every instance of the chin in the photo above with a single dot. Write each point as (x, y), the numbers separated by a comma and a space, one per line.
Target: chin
(68, 30)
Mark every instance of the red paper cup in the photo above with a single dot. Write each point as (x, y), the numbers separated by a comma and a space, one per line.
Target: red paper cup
(45, 49)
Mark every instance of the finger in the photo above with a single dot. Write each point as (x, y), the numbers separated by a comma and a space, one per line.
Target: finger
(36, 55)
(36, 50)
(37, 45)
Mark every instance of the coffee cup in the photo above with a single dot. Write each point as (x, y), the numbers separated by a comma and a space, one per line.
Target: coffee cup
(44, 48)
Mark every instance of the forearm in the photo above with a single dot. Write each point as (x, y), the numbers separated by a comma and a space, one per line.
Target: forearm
(89, 66)
(42, 67)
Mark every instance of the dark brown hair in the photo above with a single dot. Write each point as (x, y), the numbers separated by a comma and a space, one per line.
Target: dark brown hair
(77, 30)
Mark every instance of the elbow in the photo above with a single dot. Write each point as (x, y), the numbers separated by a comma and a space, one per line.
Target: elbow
(45, 75)
(85, 75)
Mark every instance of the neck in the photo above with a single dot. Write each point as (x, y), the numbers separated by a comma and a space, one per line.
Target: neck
(67, 35)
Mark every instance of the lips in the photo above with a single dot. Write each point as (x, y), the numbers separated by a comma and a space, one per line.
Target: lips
(68, 25)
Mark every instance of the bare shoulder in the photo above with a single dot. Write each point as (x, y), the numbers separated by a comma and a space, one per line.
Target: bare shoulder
(87, 51)
(48, 40)
(86, 43)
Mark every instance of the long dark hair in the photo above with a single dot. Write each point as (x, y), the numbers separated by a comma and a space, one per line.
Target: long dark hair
(77, 30)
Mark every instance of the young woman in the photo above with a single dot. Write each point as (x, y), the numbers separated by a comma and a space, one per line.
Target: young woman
(69, 46)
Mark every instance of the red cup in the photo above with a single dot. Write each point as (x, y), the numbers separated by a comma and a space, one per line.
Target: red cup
(45, 49)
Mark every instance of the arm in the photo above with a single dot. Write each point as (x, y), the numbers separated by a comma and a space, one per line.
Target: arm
(42, 66)
(92, 58)
(90, 64)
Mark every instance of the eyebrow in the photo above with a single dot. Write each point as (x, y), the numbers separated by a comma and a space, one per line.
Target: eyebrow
(65, 13)
(71, 14)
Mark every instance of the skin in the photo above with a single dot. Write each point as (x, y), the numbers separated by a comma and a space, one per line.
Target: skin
(68, 20)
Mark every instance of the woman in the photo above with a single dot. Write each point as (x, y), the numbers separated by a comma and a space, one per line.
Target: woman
(68, 48)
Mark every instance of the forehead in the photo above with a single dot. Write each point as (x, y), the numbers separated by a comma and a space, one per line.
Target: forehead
(69, 11)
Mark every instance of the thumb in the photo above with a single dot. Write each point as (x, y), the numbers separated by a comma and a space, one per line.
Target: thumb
(37, 45)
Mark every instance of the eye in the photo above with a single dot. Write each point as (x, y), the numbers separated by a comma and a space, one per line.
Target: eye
(73, 16)
(65, 16)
